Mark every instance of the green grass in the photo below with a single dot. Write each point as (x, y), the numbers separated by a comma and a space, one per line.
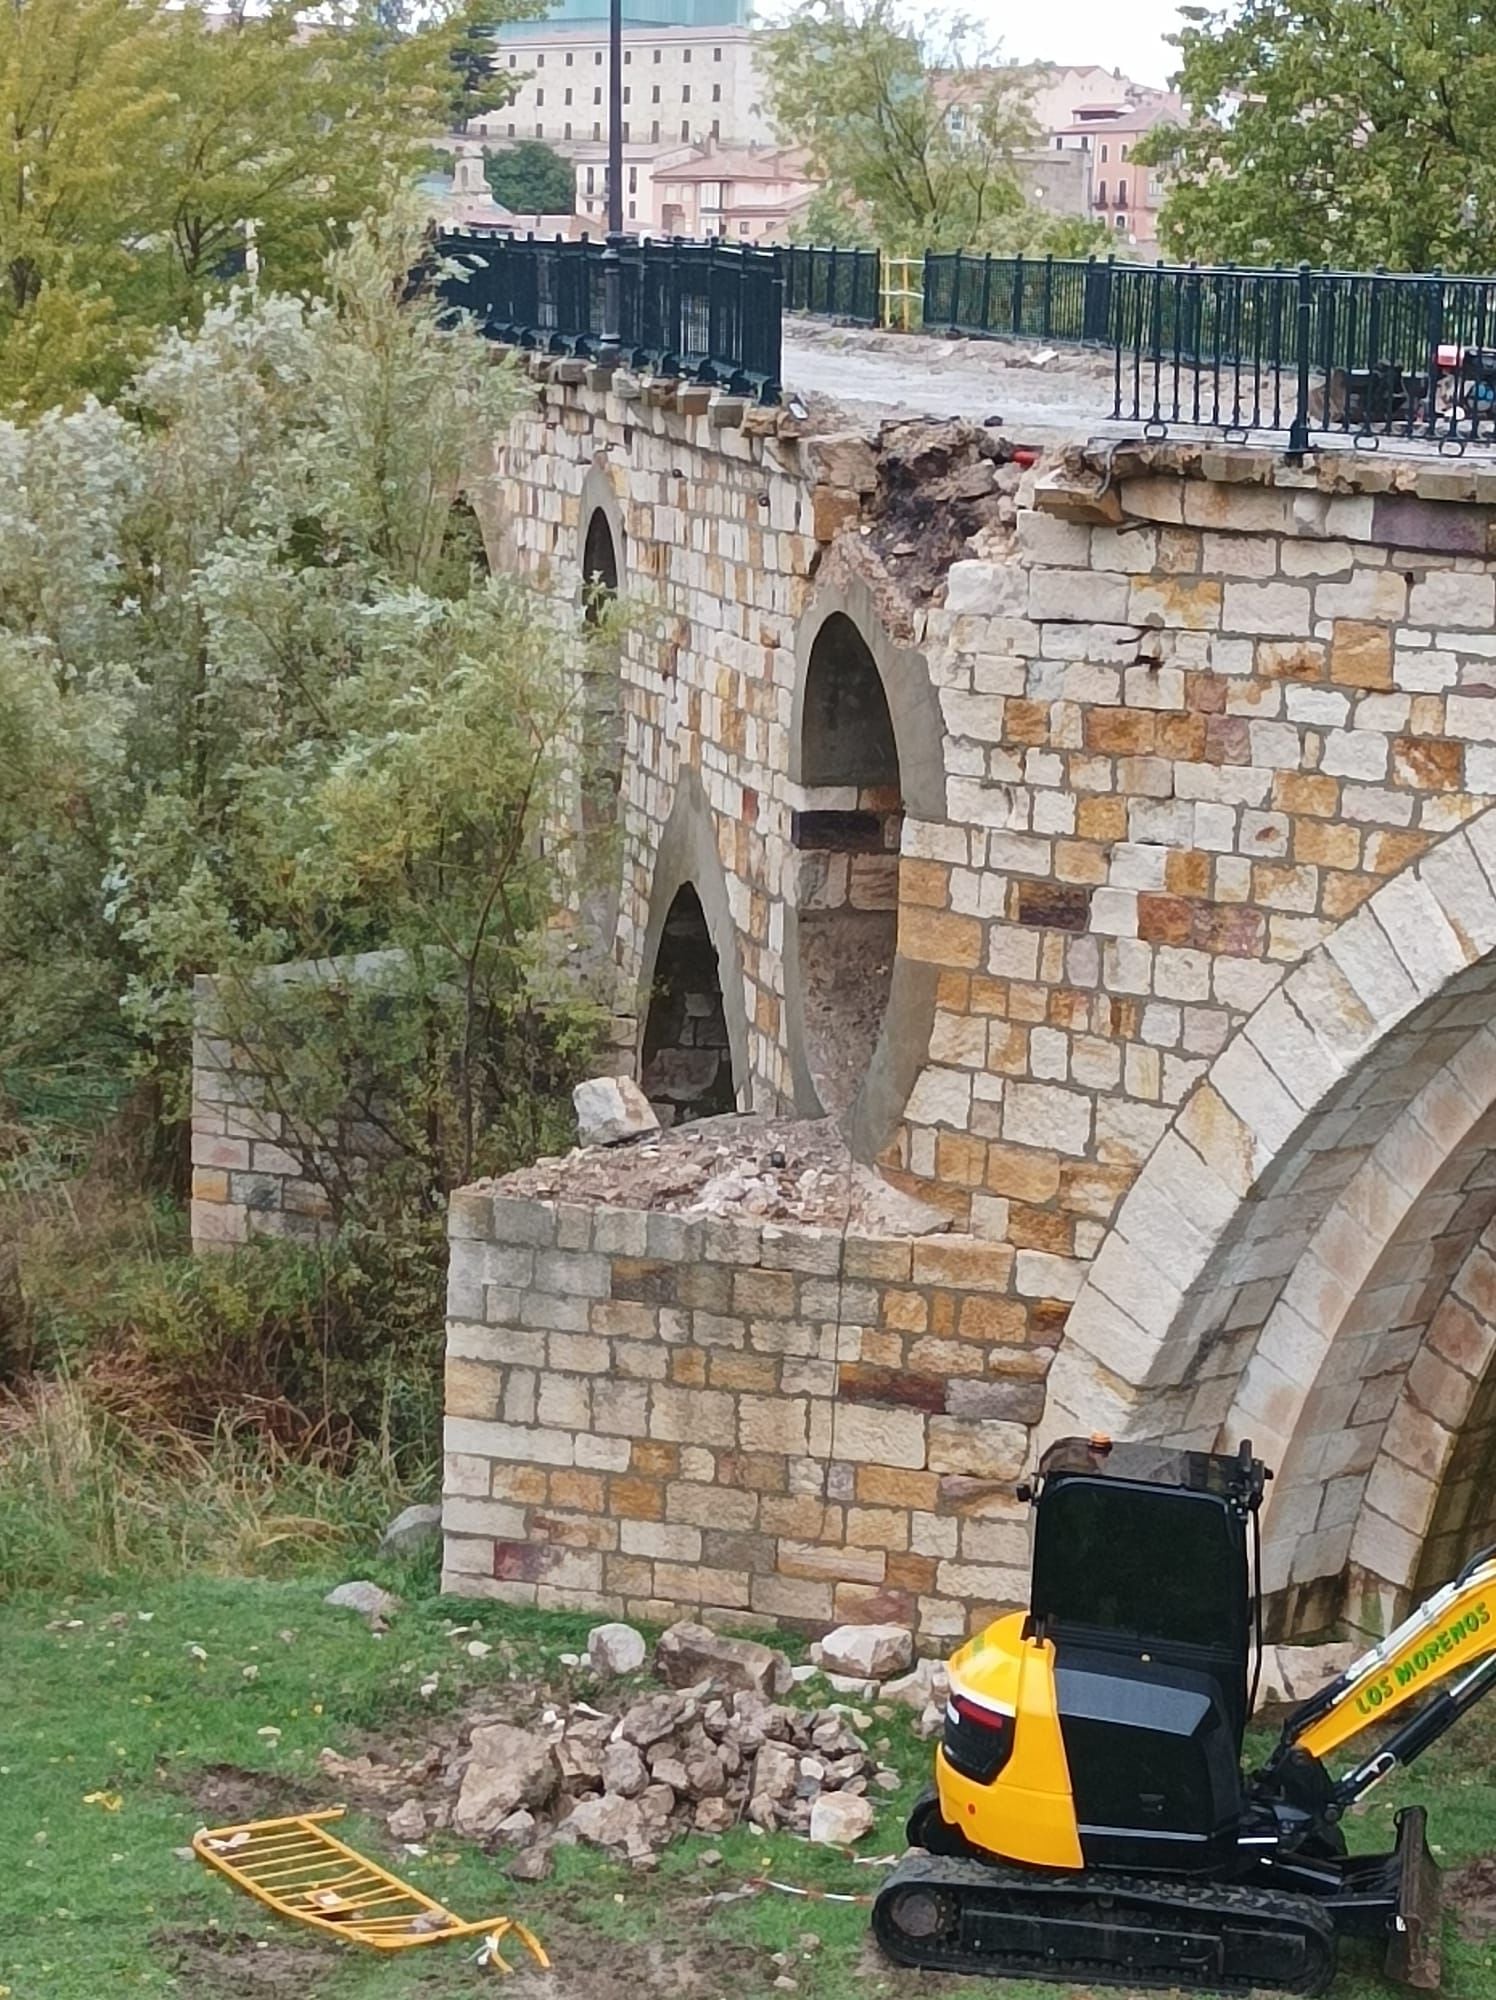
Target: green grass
(98, 1699)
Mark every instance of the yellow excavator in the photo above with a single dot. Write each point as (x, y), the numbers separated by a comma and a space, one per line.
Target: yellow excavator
(1090, 1820)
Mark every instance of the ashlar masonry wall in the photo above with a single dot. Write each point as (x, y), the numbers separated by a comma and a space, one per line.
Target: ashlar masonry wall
(649, 1410)
(1194, 721)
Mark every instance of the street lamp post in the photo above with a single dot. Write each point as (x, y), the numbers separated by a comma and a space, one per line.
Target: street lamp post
(612, 334)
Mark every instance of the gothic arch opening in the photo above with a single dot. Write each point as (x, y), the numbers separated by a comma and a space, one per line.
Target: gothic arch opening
(686, 1060)
(846, 838)
(599, 567)
(464, 552)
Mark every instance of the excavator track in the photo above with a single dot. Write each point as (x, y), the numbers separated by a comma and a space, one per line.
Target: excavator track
(945, 1914)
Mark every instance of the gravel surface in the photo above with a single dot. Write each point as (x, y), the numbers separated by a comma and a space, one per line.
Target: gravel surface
(874, 375)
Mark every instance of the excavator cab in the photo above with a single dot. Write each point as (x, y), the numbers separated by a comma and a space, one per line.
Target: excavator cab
(1142, 1584)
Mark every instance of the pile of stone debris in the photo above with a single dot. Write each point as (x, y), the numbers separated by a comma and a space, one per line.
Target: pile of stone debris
(741, 1166)
(717, 1745)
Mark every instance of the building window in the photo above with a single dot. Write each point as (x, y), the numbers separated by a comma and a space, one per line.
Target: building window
(1122, 152)
(1103, 152)
(716, 55)
(716, 128)
(1101, 194)
(597, 96)
(628, 57)
(1121, 221)
(685, 55)
(633, 210)
(633, 180)
(511, 131)
(540, 62)
(566, 97)
(1155, 187)
(627, 94)
(597, 131)
(568, 132)
(597, 57)
(540, 131)
(654, 130)
(539, 99)
(625, 131)
(1121, 194)
(654, 95)
(685, 93)
(570, 59)
(716, 93)
(657, 55)
(1059, 145)
(685, 128)
(742, 229)
(514, 62)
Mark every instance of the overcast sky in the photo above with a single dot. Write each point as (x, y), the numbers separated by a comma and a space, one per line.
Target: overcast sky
(1123, 34)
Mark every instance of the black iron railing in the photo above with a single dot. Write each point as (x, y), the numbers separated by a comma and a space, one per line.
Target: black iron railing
(1366, 355)
(1064, 300)
(708, 311)
(831, 283)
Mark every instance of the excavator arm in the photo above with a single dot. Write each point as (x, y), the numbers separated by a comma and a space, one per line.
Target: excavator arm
(1453, 1634)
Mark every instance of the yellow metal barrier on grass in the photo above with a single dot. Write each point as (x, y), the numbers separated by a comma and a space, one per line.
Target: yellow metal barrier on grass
(298, 1869)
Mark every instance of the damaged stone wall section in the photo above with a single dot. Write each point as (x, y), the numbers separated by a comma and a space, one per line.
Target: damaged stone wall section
(919, 496)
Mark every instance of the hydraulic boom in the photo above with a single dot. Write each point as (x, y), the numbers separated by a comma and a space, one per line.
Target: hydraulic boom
(1453, 1633)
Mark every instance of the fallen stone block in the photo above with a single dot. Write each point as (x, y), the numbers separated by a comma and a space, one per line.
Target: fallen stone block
(614, 1650)
(610, 1109)
(689, 1653)
(866, 1652)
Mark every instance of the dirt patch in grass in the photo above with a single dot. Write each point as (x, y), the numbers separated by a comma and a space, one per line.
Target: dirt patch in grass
(211, 1961)
(1471, 1894)
(587, 1965)
(227, 1795)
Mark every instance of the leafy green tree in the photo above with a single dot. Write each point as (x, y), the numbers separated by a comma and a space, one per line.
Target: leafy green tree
(1344, 132)
(477, 85)
(145, 139)
(829, 219)
(270, 710)
(532, 179)
(912, 126)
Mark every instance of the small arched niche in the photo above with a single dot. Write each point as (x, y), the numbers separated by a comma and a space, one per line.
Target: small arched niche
(463, 562)
(599, 567)
(601, 725)
(846, 836)
(686, 1059)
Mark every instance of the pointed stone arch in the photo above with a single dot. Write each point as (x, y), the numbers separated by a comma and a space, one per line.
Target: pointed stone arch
(688, 907)
(1289, 1239)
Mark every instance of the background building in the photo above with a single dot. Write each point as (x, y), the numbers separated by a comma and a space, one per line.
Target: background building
(1124, 195)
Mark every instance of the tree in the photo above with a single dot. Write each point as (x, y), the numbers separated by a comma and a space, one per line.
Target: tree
(1344, 132)
(265, 708)
(828, 220)
(912, 128)
(142, 139)
(532, 179)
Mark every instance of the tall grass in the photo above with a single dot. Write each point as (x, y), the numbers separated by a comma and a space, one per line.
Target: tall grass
(241, 1414)
(87, 1495)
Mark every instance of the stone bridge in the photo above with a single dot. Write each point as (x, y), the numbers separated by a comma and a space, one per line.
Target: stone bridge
(1108, 841)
